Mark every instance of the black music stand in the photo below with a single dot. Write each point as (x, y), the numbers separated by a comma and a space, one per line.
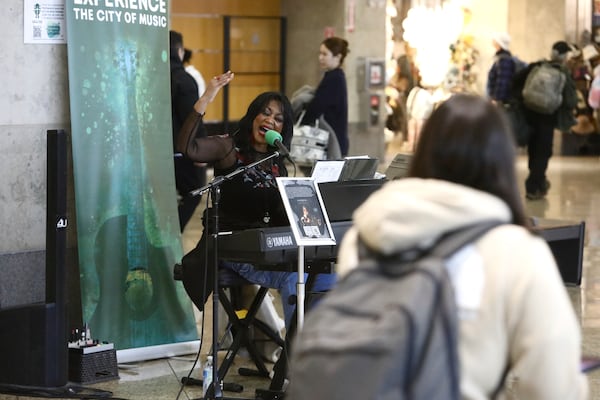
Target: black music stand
(215, 392)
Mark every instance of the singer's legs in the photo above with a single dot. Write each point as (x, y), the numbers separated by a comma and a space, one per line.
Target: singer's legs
(198, 275)
(284, 282)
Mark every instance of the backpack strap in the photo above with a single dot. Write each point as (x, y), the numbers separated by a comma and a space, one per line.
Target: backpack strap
(452, 241)
(400, 263)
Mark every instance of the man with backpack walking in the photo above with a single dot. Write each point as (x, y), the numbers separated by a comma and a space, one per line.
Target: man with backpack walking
(548, 97)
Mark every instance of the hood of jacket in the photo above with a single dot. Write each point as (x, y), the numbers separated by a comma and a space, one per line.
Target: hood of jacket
(413, 212)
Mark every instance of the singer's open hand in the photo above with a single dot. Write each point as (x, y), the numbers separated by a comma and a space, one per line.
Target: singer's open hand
(212, 88)
(216, 83)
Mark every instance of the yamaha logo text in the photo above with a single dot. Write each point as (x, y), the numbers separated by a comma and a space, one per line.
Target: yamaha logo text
(280, 241)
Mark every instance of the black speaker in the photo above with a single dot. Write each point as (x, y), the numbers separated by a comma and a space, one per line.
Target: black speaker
(566, 241)
(34, 338)
(56, 217)
(32, 347)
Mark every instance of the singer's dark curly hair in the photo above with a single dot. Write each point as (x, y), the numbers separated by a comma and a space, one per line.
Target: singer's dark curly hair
(243, 139)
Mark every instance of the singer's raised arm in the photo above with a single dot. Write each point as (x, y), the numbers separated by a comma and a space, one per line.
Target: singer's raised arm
(193, 141)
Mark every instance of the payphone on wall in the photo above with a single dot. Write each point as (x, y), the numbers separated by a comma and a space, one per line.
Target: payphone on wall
(371, 83)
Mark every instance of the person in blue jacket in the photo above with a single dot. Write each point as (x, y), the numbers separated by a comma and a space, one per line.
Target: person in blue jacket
(331, 96)
(500, 75)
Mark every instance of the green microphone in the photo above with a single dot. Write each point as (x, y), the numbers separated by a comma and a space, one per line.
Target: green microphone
(275, 139)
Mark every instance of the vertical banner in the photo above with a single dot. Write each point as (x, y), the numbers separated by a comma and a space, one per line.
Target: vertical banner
(127, 223)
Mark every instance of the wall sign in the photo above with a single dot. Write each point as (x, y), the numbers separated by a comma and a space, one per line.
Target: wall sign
(44, 21)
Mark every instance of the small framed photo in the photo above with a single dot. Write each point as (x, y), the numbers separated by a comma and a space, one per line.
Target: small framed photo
(306, 212)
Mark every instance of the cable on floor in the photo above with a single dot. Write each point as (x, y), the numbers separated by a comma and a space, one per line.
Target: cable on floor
(62, 392)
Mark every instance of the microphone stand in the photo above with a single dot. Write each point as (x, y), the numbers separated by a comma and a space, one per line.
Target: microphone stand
(215, 392)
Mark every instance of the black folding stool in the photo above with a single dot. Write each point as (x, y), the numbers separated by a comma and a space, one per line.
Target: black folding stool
(243, 327)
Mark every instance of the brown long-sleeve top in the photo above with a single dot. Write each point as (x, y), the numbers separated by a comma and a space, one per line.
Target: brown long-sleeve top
(195, 144)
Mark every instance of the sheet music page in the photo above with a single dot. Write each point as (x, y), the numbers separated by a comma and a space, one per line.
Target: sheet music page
(327, 170)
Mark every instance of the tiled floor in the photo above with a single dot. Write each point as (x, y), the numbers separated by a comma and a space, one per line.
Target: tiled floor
(574, 196)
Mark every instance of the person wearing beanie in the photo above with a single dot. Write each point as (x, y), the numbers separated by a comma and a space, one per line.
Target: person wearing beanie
(502, 40)
(542, 125)
(503, 69)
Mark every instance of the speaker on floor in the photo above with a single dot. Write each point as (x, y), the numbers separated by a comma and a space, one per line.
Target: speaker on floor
(34, 337)
(566, 241)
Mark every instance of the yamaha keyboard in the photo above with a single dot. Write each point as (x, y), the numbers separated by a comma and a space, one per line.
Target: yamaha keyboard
(275, 248)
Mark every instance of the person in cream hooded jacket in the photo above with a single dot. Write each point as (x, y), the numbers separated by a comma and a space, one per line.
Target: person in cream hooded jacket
(519, 336)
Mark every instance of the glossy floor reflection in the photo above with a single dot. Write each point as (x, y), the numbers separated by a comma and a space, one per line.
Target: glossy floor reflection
(574, 196)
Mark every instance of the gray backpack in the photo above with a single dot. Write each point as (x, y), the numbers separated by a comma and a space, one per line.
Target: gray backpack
(543, 88)
(387, 331)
